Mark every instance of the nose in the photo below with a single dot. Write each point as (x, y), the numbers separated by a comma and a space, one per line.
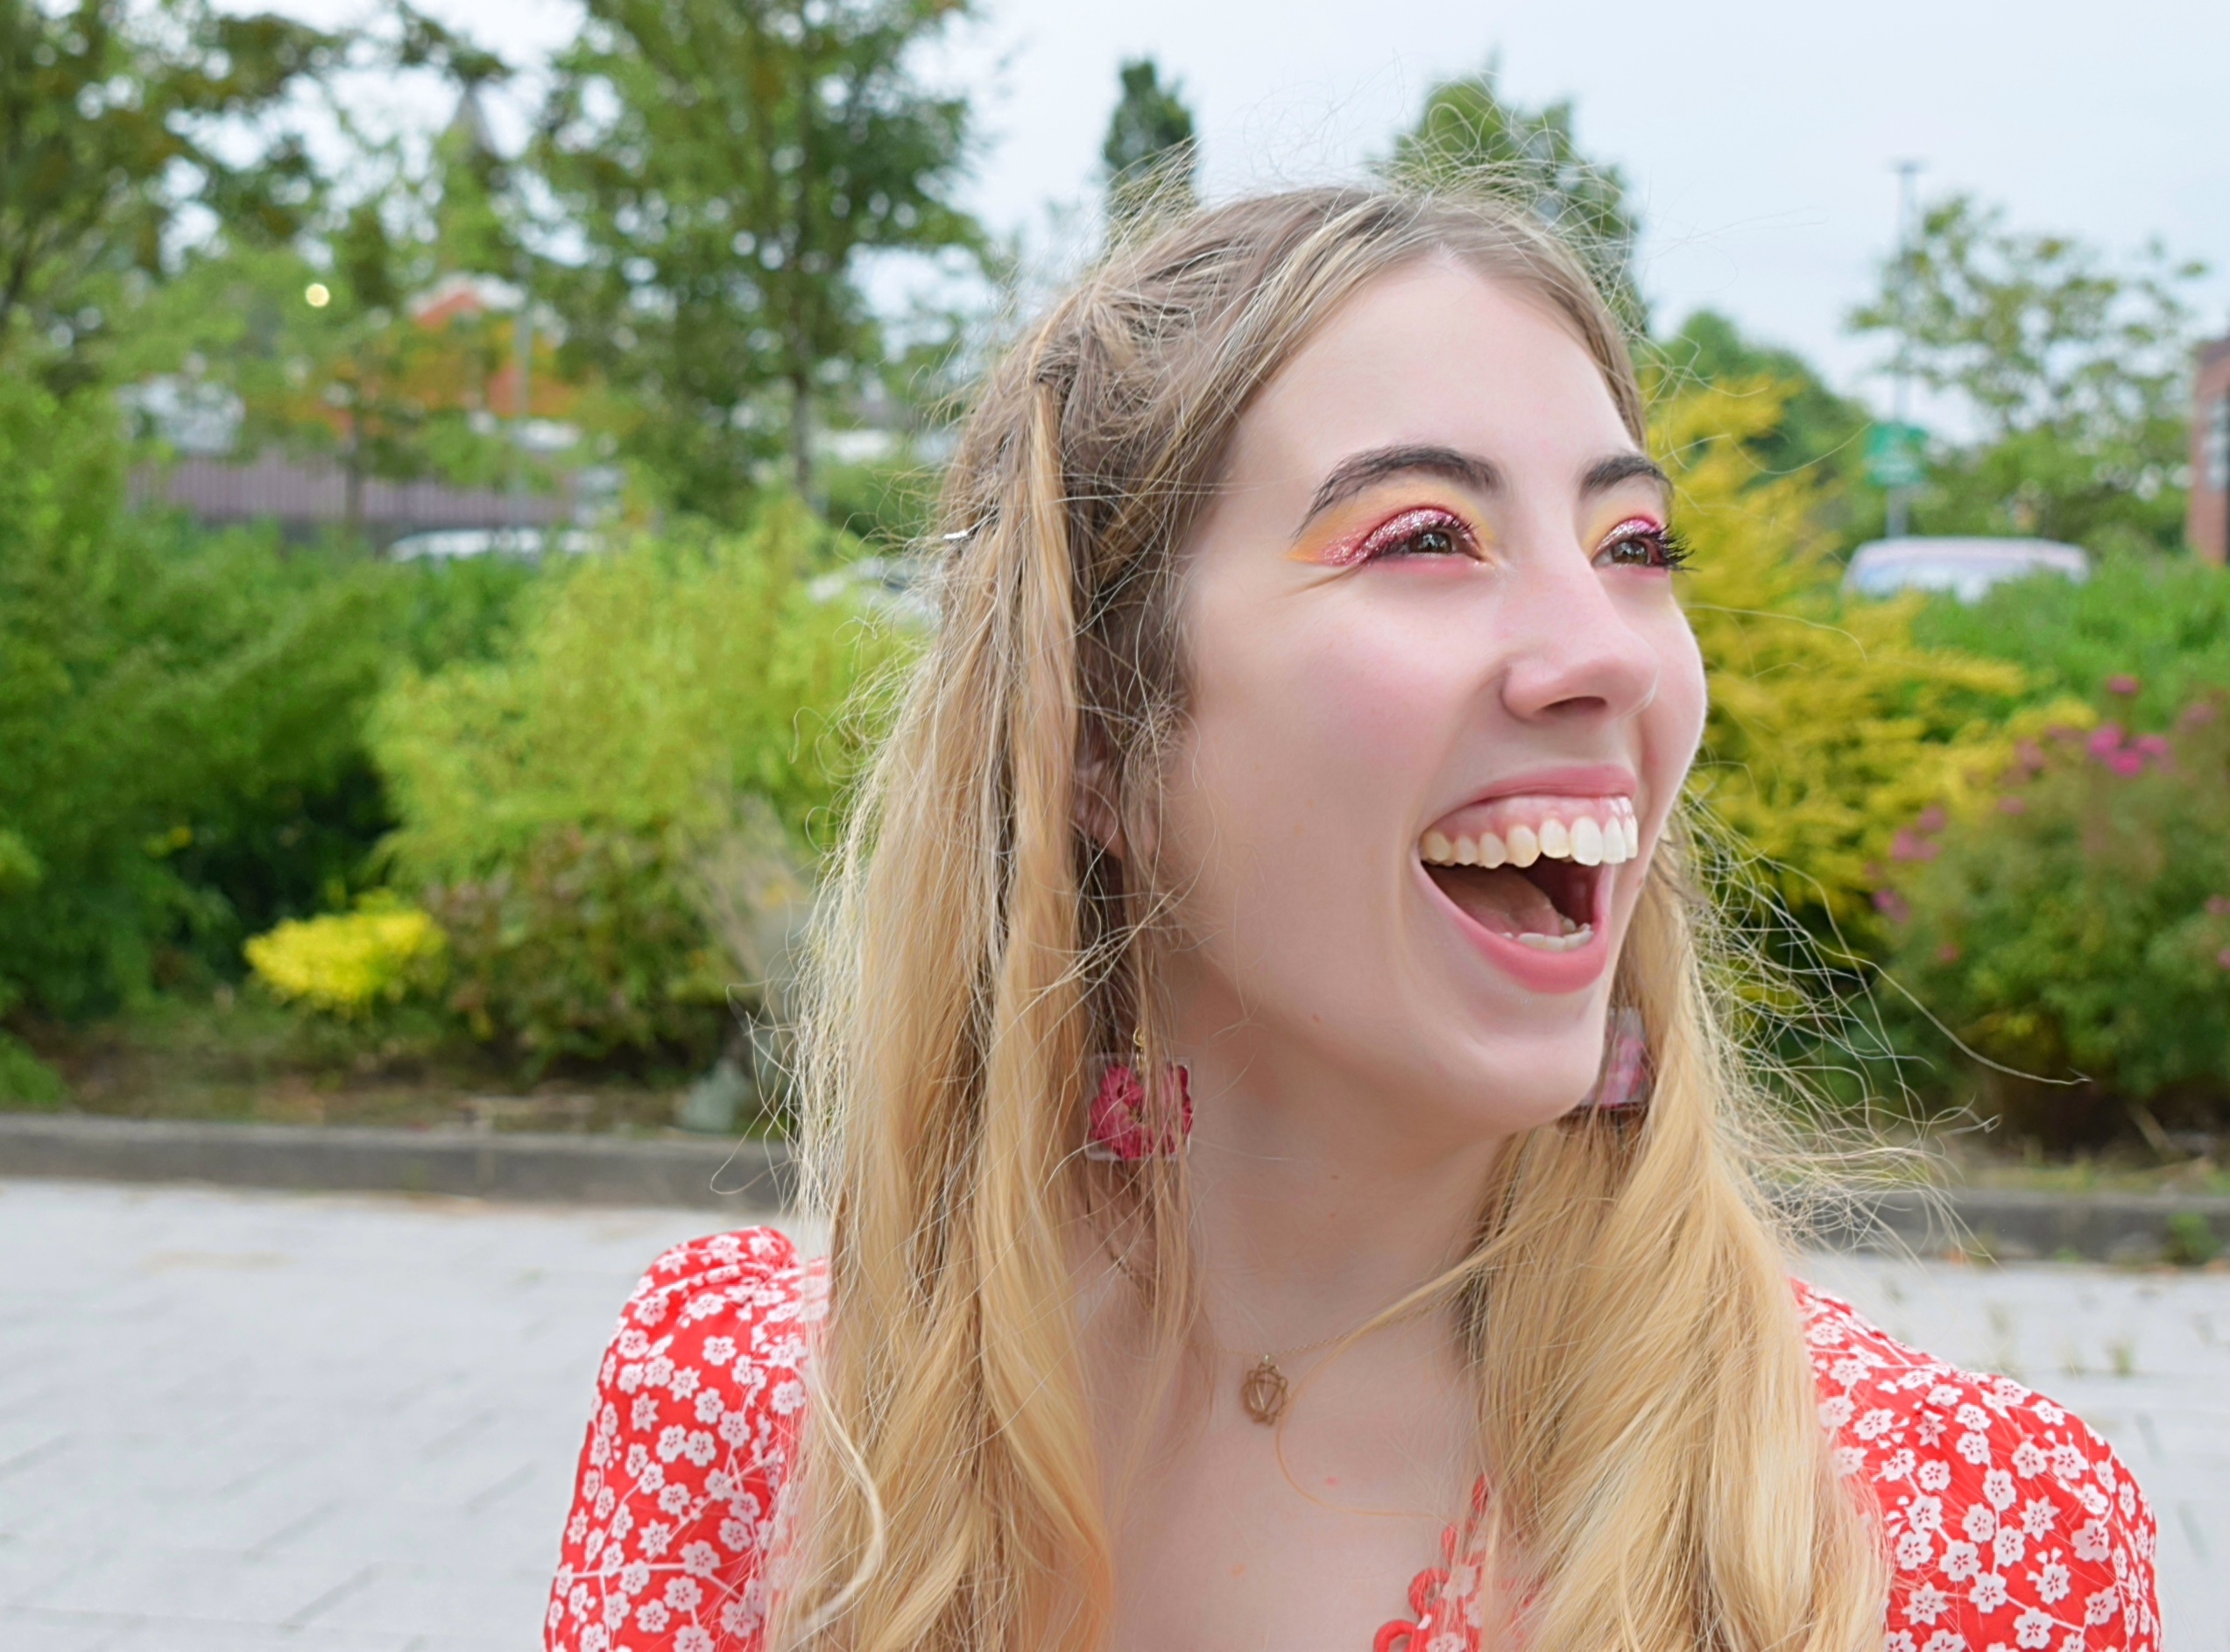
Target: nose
(1572, 655)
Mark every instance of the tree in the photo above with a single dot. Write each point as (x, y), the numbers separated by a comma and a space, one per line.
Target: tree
(1469, 137)
(1152, 157)
(114, 123)
(2072, 371)
(724, 164)
(1817, 430)
(1815, 433)
(368, 335)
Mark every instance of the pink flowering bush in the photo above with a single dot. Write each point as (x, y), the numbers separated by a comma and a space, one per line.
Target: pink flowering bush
(2075, 925)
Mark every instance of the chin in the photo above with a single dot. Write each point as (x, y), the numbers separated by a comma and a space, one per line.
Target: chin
(1511, 1081)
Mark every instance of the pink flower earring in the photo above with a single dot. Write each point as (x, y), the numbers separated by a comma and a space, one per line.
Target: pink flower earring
(1118, 1131)
(1625, 1080)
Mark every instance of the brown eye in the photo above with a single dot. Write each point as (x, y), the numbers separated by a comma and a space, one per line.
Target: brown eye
(1645, 545)
(1432, 541)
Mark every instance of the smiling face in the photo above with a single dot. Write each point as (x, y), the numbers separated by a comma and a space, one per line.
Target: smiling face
(1441, 700)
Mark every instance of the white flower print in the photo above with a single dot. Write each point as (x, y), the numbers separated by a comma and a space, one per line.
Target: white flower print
(668, 1543)
(2019, 1467)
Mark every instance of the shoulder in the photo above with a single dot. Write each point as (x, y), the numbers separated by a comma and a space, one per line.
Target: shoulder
(2009, 1523)
(689, 1449)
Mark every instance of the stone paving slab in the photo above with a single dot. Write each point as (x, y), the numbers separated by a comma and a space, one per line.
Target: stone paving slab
(285, 1423)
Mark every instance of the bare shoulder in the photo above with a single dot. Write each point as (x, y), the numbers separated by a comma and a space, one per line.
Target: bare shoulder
(2009, 1522)
(688, 1450)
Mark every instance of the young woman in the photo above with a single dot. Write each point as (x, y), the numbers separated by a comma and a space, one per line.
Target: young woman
(1285, 1177)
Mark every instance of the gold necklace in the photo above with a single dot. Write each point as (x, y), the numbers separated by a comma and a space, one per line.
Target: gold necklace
(1263, 1390)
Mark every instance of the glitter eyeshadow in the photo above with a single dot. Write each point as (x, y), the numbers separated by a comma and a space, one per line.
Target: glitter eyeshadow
(1376, 541)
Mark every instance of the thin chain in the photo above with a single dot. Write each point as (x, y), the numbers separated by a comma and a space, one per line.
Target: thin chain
(1123, 1267)
(1263, 1389)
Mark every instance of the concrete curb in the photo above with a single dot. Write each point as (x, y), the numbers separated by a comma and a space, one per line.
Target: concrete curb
(755, 1176)
(706, 1174)
(2020, 1225)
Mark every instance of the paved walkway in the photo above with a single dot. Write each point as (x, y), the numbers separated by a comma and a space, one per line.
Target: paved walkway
(242, 1423)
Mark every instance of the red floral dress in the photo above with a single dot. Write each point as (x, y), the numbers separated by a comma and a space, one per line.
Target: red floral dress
(2010, 1525)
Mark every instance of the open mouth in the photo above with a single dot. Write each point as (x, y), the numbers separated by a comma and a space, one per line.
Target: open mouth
(1534, 870)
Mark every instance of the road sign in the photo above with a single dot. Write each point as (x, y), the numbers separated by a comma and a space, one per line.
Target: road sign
(1894, 456)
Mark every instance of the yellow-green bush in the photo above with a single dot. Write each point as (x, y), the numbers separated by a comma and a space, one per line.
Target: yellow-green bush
(350, 963)
(646, 687)
(1831, 727)
(566, 806)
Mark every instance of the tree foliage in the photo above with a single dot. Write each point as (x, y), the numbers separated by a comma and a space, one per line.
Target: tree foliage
(724, 164)
(1151, 153)
(1471, 137)
(646, 690)
(181, 717)
(1815, 429)
(2074, 370)
(113, 122)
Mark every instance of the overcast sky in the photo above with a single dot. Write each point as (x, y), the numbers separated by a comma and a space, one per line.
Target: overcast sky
(1758, 139)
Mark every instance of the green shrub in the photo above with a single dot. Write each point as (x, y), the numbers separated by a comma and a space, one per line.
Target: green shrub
(28, 1084)
(2075, 923)
(572, 807)
(2158, 627)
(1831, 723)
(587, 946)
(645, 688)
(182, 760)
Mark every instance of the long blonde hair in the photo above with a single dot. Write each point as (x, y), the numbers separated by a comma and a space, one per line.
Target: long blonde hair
(1644, 1397)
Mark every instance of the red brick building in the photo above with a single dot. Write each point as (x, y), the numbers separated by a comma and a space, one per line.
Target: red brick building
(2208, 525)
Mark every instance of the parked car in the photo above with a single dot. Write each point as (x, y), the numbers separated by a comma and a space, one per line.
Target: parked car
(1965, 567)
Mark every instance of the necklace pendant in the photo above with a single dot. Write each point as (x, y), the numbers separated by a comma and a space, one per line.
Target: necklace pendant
(1263, 1393)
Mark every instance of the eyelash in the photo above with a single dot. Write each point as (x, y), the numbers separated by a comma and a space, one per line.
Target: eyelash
(1663, 549)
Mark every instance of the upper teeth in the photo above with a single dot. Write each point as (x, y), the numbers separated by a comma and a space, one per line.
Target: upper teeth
(1606, 835)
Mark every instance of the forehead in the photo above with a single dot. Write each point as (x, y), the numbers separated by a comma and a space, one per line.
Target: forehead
(1433, 353)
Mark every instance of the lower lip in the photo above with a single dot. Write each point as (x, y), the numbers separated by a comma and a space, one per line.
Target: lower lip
(1552, 972)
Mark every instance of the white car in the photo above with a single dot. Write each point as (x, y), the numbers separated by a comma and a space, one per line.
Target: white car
(1964, 566)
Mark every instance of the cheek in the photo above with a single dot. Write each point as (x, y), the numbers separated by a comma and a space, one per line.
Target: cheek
(1673, 725)
(1335, 723)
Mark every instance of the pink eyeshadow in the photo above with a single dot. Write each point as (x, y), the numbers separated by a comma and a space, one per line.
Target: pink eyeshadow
(1362, 547)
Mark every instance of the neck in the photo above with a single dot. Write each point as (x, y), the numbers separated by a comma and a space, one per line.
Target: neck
(1317, 1203)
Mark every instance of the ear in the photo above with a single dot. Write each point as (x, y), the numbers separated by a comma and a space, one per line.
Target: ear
(1098, 813)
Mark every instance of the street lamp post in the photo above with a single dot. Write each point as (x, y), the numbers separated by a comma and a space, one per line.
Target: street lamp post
(1900, 387)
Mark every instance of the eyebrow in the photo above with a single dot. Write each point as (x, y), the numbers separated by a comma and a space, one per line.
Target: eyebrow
(1358, 471)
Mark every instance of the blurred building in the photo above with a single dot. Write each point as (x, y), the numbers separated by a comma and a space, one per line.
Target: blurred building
(213, 482)
(304, 498)
(2208, 524)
